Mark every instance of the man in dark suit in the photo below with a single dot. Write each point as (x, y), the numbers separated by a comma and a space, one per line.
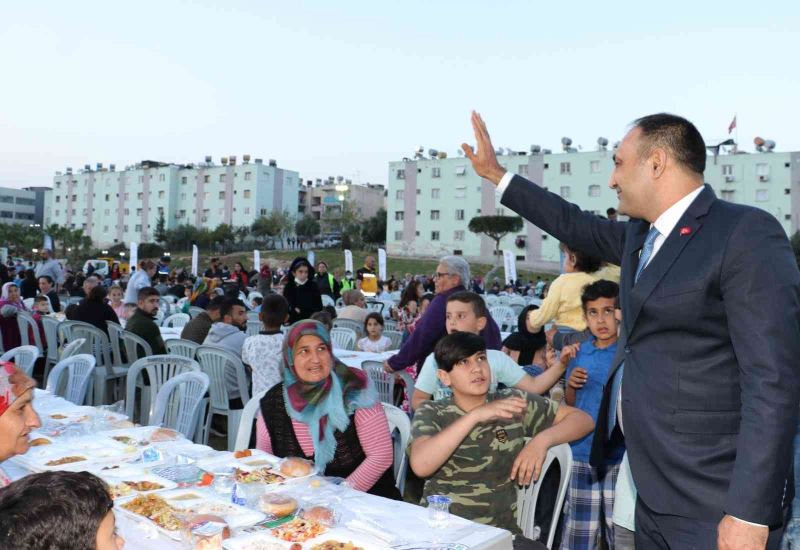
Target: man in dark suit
(710, 340)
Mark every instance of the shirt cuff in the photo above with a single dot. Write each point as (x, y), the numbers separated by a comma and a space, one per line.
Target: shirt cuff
(748, 522)
(503, 185)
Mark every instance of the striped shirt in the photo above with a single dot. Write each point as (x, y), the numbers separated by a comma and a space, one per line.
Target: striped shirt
(373, 434)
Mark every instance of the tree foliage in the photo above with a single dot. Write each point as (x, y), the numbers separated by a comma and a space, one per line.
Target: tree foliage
(495, 227)
(307, 227)
(373, 231)
(160, 234)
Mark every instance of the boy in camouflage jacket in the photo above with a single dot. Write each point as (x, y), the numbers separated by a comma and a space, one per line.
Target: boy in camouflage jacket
(471, 446)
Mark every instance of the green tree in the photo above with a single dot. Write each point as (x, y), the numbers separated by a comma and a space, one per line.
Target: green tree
(307, 227)
(223, 235)
(495, 227)
(264, 227)
(160, 234)
(373, 231)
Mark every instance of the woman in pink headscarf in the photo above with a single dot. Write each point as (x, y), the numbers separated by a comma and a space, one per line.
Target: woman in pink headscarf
(10, 305)
(17, 417)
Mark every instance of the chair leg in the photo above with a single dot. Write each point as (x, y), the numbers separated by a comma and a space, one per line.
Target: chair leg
(233, 427)
(144, 414)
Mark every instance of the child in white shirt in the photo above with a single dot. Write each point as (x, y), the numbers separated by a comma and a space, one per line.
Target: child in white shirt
(375, 341)
(263, 351)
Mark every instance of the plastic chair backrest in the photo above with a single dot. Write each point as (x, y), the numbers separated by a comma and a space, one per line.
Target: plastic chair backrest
(375, 306)
(115, 339)
(133, 344)
(24, 356)
(249, 413)
(72, 348)
(178, 402)
(491, 300)
(253, 327)
(395, 336)
(504, 316)
(27, 326)
(216, 363)
(170, 298)
(253, 316)
(194, 311)
(398, 420)
(165, 306)
(343, 338)
(50, 326)
(327, 301)
(65, 331)
(98, 343)
(176, 320)
(160, 368)
(28, 303)
(182, 302)
(384, 383)
(184, 348)
(528, 496)
(390, 324)
(254, 294)
(79, 370)
(355, 326)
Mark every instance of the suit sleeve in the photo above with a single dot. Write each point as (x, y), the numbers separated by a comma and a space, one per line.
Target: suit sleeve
(760, 286)
(565, 221)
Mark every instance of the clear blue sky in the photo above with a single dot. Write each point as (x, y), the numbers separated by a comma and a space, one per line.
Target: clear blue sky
(341, 88)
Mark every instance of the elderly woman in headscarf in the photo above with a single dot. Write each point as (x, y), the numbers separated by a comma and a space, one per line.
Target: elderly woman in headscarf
(300, 291)
(202, 292)
(10, 304)
(17, 417)
(327, 412)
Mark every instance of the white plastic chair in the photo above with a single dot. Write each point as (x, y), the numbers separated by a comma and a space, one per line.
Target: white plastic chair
(115, 339)
(253, 316)
(176, 320)
(390, 324)
(355, 326)
(253, 327)
(159, 368)
(194, 311)
(65, 331)
(28, 303)
(180, 303)
(170, 298)
(249, 413)
(343, 338)
(165, 306)
(527, 497)
(398, 420)
(223, 368)
(50, 326)
(24, 356)
(27, 326)
(327, 301)
(79, 370)
(395, 336)
(179, 403)
(105, 371)
(377, 307)
(136, 347)
(72, 348)
(504, 316)
(184, 348)
(384, 382)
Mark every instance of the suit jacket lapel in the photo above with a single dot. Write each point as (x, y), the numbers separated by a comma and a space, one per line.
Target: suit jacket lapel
(668, 253)
(629, 265)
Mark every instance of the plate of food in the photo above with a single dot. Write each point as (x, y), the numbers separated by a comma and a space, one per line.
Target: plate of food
(210, 503)
(295, 468)
(257, 475)
(245, 459)
(155, 509)
(126, 485)
(144, 435)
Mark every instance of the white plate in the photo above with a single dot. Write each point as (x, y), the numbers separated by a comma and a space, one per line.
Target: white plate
(225, 460)
(341, 534)
(123, 476)
(210, 503)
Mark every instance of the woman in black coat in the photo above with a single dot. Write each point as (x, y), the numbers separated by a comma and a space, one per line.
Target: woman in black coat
(300, 291)
(93, 310)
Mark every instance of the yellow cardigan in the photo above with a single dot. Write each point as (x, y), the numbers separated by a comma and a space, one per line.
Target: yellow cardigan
(563, 302)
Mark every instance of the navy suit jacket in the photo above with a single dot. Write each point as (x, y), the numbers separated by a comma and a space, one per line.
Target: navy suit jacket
(710, 338)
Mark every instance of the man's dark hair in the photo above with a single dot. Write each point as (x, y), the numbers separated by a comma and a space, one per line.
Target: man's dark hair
(331, 311)
(585, 263)
(97, 294)
(274, 311)
(215, 303)
(323, 317)
(675, 134)
(53, 510)
(611, 211)
(146, 292)
(48, 278)
(599, 289)
(258, 300)
(468, 297)
(228, 304)
(456, 347)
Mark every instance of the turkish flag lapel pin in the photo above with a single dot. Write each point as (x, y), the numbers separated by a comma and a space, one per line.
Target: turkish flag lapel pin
(685, 231)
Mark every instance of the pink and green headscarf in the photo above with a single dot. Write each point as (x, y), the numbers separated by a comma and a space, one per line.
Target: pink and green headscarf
(13, 384)
(325, 406)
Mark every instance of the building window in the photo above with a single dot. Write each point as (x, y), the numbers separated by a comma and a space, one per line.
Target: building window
(138, 228)
(248, 176)
(594, 190)
(501, 212)
(594, 166)
(566, 168)
(461, 170)
(206, 178)
(162, 177)
(434, 193)
(141, 179)
(398, 235)
(436, 172)
(126, 196)
(398, 216)
(727, 195)
(127, 212)
(458, 235)
(762, 169)
(107, 211)
(183, 180)
(140, 196)
(247, 193)
(222, 178)
(221, 195)
(522, 170)
(400, 174)
(461, 192)
(399, 194)
(565, 191)
(58, 198)
(762, 195)
(727, 169)
(434, 214)
(161, 194)
(787, 191)
(108, 197)
(459, 214)
(205, 195)
(183, 196)
(105, 229)
(247, 210)
(434, 235)
(138, 211)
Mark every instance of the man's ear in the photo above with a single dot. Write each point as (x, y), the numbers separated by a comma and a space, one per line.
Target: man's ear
(444, 377)
(482, 323)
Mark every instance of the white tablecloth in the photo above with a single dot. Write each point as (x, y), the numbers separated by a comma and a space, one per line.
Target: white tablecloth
(355, 358)
(402, 521)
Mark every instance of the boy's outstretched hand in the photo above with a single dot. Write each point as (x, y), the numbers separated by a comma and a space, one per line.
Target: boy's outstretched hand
(527, 466)
(568, 354)
(578, 378)
(501, 409)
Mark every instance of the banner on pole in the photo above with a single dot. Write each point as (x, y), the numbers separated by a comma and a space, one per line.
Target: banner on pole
(381, 264)
(256, 260)
(510, 265)
(134, 256)
(312, 258)
(195, 258)
(348, 261)
(48, 243)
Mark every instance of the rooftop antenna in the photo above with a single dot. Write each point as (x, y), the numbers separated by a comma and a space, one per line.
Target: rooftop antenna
(565, 145)
(536, 149)
(602, 144)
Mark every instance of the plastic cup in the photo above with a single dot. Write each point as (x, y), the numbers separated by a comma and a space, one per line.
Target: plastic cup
(438, 511)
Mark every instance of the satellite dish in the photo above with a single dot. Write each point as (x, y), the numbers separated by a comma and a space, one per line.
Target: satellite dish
(224, 161)
(535, 149)
(602, 142)
(566, 142)
(759, 142)
(432, 153)
(769, 145)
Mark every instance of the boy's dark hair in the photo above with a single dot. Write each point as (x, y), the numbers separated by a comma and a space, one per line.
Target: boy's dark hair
(258, 300)
(468, 297)
(611, 211)
(323, 317)
(331, 311)
(41, 298)
(456, 347)
(585, 263)
(215, 303)
(599, 289)
(374, 315)
(274, 310)
(228, 304)
(146, 292)
(54, 510)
